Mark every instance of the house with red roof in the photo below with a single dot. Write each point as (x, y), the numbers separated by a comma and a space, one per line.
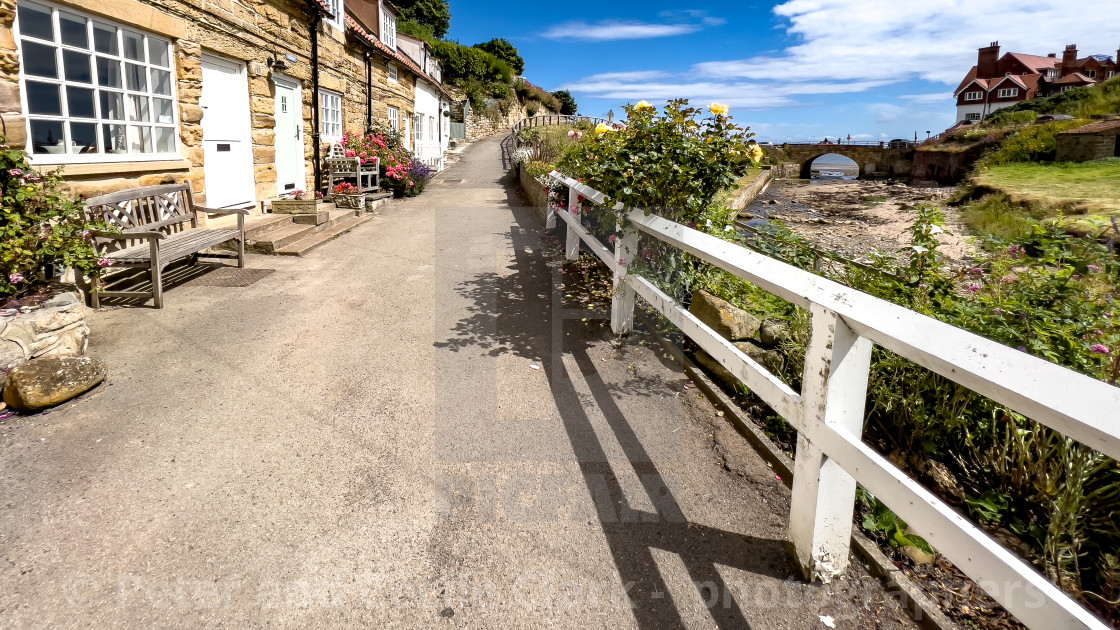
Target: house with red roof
(997, 82)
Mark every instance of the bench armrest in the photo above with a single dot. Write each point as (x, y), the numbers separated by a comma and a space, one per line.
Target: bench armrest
(127, 236)
(223, 211)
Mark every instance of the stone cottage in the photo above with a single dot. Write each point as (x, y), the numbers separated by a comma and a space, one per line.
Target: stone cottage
(1094, 141)
(229, 95)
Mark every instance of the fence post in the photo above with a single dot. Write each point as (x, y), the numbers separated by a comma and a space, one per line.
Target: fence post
(622, 304)
(833, 394)
(574, 209)
(550, 214)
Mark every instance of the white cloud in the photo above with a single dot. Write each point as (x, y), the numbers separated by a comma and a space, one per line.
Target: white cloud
(677, 23)
(940, 98)
(935, 40)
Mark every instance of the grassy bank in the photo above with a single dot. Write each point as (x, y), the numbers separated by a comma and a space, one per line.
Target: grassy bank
(1081, 197)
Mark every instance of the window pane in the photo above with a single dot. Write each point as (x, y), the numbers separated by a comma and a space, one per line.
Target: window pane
(39, 60)
(137, 79)
(138, 108)
(157, 52)
(80, 102)
(35, 22)
(113, 139)
(165, 139)
(161, 82)
(133, 48)
(73, 30)
(77, 66)
(43, 98)
(141, 139)
(83, 137)
(108, 72)
(163, 110)
(112, 105)
(46, 136)
(105, 38)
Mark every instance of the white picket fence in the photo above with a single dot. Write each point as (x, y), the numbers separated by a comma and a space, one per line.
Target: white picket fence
(828, 413)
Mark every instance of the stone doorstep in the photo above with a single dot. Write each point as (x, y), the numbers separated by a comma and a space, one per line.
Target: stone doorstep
(281, 238)
(333, 216)
(303, 246)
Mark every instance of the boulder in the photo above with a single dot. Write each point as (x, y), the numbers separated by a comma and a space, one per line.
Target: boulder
(773, 332)
(768, 358)
(56, 329)
(732, 322)
(42, 383)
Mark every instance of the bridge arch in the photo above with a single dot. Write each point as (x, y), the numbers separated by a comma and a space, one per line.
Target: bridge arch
(873, 159)
(807, 166)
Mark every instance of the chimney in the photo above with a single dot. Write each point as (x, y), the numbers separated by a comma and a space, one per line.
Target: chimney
(1053, 55)
(1069, 57)
(987, 62)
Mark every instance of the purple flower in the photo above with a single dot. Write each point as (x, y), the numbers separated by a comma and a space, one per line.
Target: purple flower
(1008, 279)
(105, 262)
(1016, 251)
(16, 278)
(1100, 349)
(997, 311)
(976, 271)
(974, 288)
(613, 239)
(15, 172)
(621, 262)
(1022, 348)
(1094, 269)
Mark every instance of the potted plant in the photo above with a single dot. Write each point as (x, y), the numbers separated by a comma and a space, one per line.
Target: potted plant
(301, 202)
(347, 195)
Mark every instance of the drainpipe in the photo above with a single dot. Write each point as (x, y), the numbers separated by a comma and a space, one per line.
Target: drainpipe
(315, 99)
(369, 93)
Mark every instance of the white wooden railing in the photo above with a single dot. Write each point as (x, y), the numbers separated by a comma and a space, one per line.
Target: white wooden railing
(430, 153)
(828, 412)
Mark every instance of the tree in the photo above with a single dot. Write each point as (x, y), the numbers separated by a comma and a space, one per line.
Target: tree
(435, 14)
(502, 49)
(567, 102)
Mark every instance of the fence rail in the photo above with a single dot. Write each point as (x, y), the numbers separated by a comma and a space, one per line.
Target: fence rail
(828, 412)
(510, 143)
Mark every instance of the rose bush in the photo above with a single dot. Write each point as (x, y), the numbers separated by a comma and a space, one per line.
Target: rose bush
(39, 225)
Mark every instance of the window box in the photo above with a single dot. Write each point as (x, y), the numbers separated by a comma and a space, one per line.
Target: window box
(296, 206)
(349, 201)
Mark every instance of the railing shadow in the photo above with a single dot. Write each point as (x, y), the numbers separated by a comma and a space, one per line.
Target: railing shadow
(520, 312)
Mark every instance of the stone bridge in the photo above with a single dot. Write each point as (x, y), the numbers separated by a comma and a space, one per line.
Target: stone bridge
(874, 160)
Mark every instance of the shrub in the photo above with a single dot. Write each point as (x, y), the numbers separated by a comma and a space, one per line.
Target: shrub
(40, 225)
(1037, 143)
(502, 49)
(568, 104)
(465, 62)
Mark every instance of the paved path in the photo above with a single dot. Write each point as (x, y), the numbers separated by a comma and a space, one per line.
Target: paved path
(363, 438)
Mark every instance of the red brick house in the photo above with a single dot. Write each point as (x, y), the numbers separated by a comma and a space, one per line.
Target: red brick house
(997, 82)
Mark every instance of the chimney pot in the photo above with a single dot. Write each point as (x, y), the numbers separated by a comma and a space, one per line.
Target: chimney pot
(1053, 55)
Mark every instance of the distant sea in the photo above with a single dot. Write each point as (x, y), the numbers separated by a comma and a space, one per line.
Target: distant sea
(834, 166)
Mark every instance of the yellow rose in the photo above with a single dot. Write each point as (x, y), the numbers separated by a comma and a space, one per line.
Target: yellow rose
(643, 105)
(754, 153)
(719, 109)
(602, 128)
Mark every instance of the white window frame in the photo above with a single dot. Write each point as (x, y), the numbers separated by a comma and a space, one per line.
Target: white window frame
(432, 128)
(394, 74)
(330, 116)
(394, 117)
(388, 28)
(1092, 74)
(338, 9)
(973, 116)
(418, 127)
(130, 126)
(1011, 92)
(973, 96)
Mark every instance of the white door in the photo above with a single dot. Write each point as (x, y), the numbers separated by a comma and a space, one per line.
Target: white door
(226, 141)
(289, 137)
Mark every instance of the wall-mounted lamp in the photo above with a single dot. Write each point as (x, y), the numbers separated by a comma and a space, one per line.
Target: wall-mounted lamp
(277, 65)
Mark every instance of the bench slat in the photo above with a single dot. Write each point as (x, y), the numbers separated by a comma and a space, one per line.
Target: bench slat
(176, 246)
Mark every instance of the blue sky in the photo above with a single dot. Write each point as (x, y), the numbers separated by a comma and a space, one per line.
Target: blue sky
(794, 70)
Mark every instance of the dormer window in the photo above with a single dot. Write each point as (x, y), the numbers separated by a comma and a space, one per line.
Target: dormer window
(1008, 92)
(388, 29)
(1092, 74)
(973, 96)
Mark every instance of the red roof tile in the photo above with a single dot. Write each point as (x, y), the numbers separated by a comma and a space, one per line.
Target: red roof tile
(1100, 125)
(1036, 63)
(1074, 78)
(395, 55)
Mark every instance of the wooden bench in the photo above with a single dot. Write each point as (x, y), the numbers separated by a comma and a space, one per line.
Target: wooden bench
(341, 168)
(154, 233)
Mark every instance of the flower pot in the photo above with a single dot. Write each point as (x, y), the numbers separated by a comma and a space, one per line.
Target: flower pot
(295, 206)
(351, 202)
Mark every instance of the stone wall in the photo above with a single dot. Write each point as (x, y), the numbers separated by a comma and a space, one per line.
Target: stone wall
(942, 167)
(1085, 147)
(534, 190)
(56, 329)
(250, 31)
(481, 125)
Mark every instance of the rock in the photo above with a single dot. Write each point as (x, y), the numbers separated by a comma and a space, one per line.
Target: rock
(42, 383)
(719, 373)
(56, 329)
(917, 555)
(773, 332)
(770, 359)
(732, 322)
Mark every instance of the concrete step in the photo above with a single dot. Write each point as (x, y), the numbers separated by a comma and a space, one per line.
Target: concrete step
(329, 217)
(257, 227)
(302, 246)
(278, 239)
